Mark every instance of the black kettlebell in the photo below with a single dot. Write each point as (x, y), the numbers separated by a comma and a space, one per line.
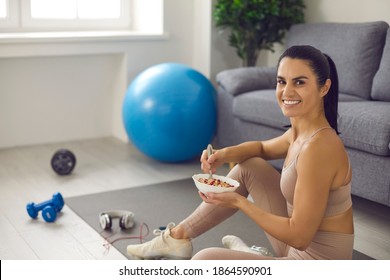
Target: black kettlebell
(63, 162)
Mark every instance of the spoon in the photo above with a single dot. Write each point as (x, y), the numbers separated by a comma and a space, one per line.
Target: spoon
(209, 153)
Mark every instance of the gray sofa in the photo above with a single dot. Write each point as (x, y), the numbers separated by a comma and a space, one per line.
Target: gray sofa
(247, 107)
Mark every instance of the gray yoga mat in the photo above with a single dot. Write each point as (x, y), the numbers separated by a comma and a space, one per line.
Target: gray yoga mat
(157, 205)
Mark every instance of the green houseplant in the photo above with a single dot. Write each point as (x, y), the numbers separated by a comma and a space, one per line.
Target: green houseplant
(256, 25)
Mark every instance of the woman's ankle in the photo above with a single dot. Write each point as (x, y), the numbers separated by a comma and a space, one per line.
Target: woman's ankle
(178, 232)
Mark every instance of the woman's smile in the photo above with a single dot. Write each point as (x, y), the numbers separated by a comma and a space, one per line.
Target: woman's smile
(290, 102)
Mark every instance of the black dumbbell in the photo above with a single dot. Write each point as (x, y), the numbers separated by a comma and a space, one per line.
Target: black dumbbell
(49, 208)
(63, 162)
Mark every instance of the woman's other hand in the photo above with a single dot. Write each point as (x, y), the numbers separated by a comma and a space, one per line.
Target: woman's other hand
(225, 199)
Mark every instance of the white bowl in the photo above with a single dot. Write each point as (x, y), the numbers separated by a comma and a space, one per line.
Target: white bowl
(204, 188)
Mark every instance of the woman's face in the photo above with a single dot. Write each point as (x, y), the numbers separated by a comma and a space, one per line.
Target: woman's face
(297, 90)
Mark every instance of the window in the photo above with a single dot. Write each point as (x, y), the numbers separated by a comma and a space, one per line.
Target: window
(75, 9)
(3, 9)
(76, 14)
(53, 15)
(20, 17)
(8, 13)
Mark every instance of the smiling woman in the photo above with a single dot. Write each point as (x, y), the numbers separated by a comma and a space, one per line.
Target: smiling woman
(306, 209)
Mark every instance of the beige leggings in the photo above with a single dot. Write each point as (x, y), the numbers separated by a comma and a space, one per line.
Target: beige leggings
(259, 179)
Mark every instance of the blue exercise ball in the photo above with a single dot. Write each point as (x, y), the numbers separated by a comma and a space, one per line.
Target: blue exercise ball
(170, 112)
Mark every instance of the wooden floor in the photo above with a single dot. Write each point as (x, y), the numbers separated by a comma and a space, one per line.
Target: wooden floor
(109, 164)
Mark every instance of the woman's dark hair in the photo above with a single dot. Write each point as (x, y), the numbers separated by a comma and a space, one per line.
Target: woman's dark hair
(324, 68)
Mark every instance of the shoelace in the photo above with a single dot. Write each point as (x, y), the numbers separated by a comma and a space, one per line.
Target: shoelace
(161, 230)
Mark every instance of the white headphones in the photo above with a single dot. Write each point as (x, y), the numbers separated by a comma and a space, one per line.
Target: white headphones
(126, 219)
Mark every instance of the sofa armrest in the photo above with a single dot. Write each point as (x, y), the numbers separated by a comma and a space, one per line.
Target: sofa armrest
(245, 79)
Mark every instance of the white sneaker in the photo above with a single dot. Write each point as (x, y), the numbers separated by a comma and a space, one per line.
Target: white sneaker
(164, 246)
(235, 243)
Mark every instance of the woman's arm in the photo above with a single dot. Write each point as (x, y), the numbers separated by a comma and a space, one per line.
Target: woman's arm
(315, 176)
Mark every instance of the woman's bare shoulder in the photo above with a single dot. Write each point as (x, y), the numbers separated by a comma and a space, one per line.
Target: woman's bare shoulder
(324, 147)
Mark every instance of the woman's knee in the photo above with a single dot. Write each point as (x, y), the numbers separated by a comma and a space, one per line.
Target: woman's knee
(254, 164)
(208, 254)
(255, 170)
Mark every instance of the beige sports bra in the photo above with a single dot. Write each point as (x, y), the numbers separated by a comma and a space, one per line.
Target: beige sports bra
(339, 199)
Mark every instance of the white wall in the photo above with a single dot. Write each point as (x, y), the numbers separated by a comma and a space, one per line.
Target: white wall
(46, 99)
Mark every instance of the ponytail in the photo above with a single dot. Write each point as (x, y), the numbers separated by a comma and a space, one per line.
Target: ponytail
(331, 99)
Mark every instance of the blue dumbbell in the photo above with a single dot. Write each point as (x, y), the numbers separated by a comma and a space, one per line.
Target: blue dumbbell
(49, 208)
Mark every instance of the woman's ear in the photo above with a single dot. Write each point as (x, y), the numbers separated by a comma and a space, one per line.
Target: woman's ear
(326, 87)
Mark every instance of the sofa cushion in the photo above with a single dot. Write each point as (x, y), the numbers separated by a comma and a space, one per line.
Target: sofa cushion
(347, 97)
(365, 126)
(260, 107)
(244, 79)
(381, 86)
(356, 49)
